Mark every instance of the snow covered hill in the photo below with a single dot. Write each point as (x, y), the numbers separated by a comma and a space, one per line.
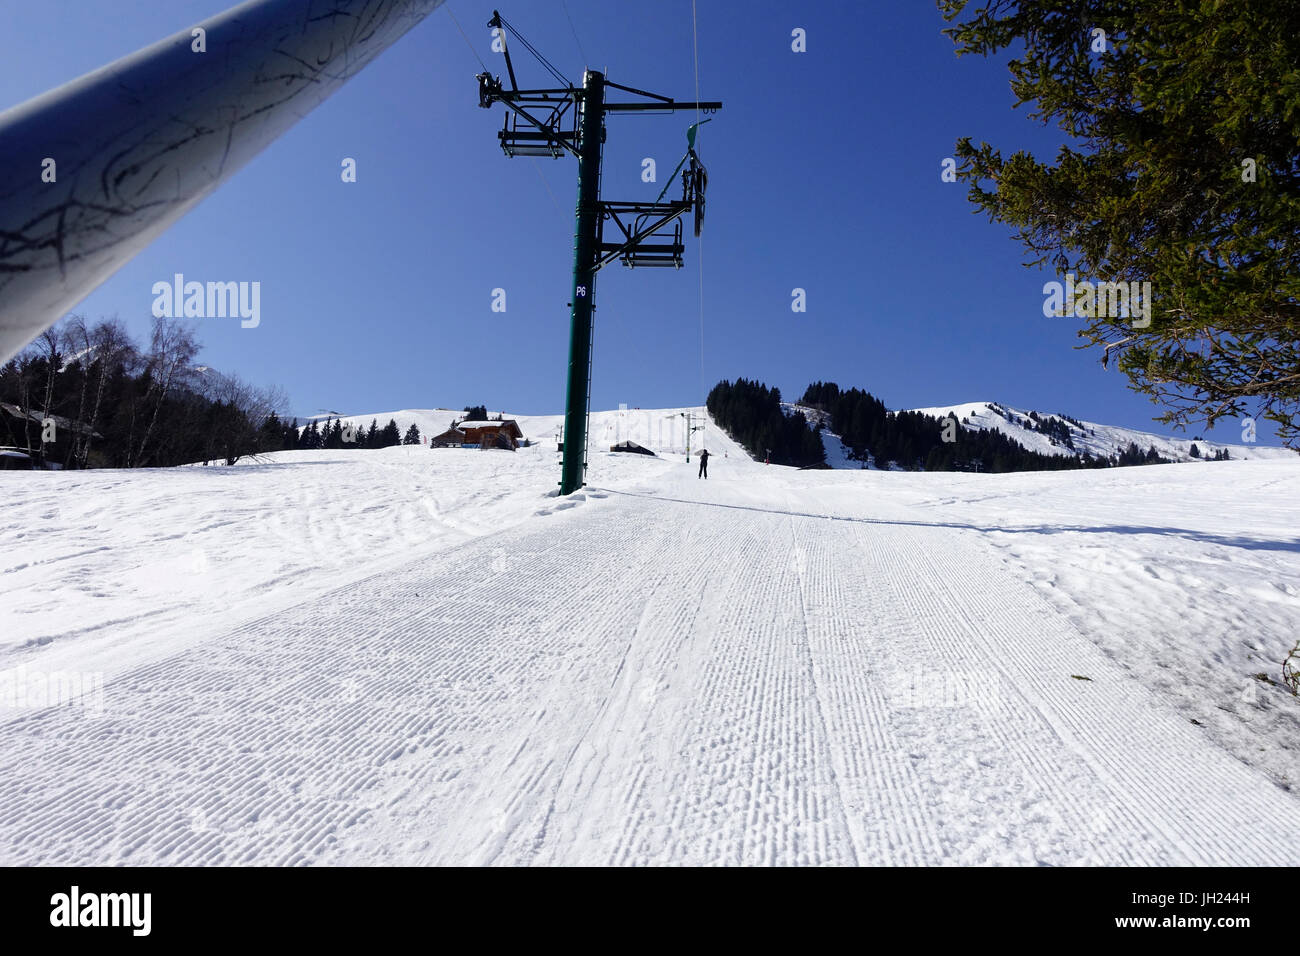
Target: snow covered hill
(662, 430)
(1096, 439)
(418, 655)
(1046, 433)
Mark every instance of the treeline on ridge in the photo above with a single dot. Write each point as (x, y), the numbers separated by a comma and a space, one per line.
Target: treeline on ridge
(85, 395)
(915, 441)
(752, 414)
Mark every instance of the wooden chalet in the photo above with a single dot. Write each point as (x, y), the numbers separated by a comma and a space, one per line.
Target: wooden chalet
(484, 434)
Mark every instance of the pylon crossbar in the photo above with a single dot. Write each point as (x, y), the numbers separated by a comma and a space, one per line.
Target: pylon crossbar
(650, 219)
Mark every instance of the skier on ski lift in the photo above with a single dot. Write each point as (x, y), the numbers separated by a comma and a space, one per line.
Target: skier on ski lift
(704, 465)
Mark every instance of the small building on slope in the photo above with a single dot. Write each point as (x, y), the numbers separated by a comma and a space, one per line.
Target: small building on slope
(484, 434)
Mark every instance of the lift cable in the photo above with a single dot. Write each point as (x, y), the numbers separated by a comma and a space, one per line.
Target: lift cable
(574, 29)
(542, 176)
(695, 42)
(532, 49)
(467, 39)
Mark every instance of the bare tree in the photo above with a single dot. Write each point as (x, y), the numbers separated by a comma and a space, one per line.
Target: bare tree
(247, 408)
(265, 401)
(80, 353)
(49, 345)
(172, 348)
(76, 339)
(107, 347)
(23, 371)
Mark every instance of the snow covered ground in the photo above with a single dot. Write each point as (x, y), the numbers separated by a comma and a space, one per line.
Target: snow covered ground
(423, 656)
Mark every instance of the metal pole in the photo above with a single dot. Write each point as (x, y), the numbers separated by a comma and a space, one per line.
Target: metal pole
(94, 171)
(591, 132)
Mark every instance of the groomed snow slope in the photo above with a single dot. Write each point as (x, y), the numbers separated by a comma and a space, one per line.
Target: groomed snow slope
(420, 656)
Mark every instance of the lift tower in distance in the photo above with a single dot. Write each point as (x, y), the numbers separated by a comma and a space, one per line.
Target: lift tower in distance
(551, 122)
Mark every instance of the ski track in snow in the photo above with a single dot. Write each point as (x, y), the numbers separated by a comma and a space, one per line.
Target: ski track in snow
(674, 672)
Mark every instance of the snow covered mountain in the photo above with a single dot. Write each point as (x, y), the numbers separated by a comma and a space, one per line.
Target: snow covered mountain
(1047, 434)
(1056, 434)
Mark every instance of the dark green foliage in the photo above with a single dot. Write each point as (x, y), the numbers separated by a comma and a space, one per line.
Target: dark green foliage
(288, 434)
(389, 435)
(332, 434)
(1180, 168)
(1132, 455)
(412, 435)
(475, 413)
(751, 413)
(310, 438)
(820, 395)
(1056, 429)
(228, 435)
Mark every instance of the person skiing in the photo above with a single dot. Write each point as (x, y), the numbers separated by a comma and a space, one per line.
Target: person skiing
(704, 464)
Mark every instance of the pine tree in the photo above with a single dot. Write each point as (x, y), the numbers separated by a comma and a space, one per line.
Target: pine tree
(271, 434)
(327, 435)
(1198, 197)
(412, 435)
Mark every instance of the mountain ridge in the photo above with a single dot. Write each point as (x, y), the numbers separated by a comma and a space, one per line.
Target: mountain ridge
(663, 430)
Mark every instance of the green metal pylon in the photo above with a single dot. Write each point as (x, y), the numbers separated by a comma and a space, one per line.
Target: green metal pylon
(553, 121)
(591, 133)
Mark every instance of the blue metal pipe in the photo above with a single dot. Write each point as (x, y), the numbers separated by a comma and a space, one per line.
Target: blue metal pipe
(138, 143)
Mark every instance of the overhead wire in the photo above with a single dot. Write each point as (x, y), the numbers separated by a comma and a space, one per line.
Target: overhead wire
(535, 52)
(542, 176)
(467, 39)
(695, 44)
(575, 33)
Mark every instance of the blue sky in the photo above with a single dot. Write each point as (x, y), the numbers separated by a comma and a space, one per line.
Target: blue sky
(824, 175)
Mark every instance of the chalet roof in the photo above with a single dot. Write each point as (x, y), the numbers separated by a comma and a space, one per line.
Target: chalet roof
(66, 424)
(506, 426)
